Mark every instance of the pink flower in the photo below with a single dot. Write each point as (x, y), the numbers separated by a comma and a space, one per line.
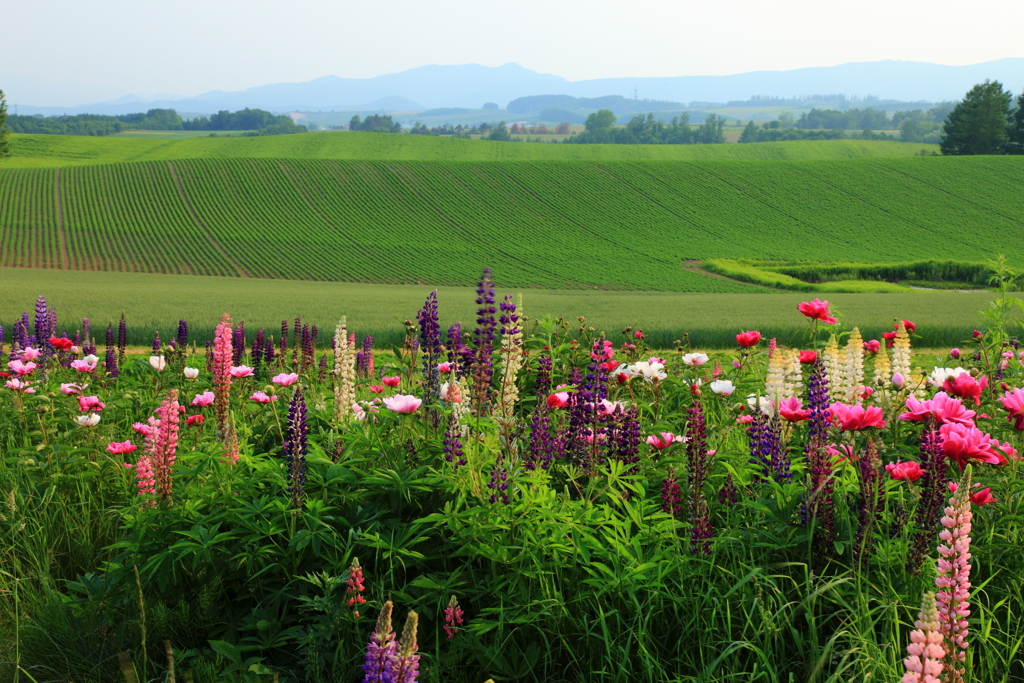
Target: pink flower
(856, 417)
(609, 365)
(204, 399)
(606, 407)
(904, 471)
(966, 386)
(1013, 401)
(872, 346)
(744, 419)
(817, 310)
(748, 339)
(559, 399)
(194, 420)
(450, 392)
(1003, 451)
(262, 397)
(808, 357)
(240, 371)
(663, 441)
(983, 497)
(143, 428)
(90, 403)
(24, 387)
(391, 381)
(962, 443)
(840, 454)
(445, 367)
(910, 327)
(899, 381)
(792, 410)
(70, 389)
(285, 379)
(121, 447)
(83, 366)
(30, 353)
(955, 353)
(376, 388)
(22, 368)
(402, 403)
(942, 407)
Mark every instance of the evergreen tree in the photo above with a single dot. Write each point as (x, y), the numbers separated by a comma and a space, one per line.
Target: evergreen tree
(979, 124)
(1016, 144)
(5, 142)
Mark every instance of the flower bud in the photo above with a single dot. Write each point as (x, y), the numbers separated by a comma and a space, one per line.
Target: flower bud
(898, 380)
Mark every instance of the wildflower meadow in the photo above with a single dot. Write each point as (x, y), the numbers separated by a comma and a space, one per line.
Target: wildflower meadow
(513, 499)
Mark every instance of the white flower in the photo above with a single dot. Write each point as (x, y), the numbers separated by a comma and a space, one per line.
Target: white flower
(765, 403)
(191, 373)
(723, 387)
(938, 376)
(91, 359)
(651, 372)
(88, 420)
(695, 358)
(158, 363)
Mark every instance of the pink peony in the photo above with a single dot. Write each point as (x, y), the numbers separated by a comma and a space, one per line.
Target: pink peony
(70, 389)
(285, 379)
(748, 339)
(856, 417)
(1013, 401)
(240, 371)
(872, 346)
(121, 447)
(143, 428)
(204, 399)
(19, 385)
(91, 403)
(817, 310)
(661, 442)
(942, 407)
(962, 443)
(559, 399)
(194, 420)
(606, 407)
(808, 357)
(792, 410)
(83, 366)
(376, 388)
(966, 386)
(391, 381)
(402, 403)
(904, 471)
(445, 367)
(262, 397)
(29, 354)
(744, 419)
(21, 368)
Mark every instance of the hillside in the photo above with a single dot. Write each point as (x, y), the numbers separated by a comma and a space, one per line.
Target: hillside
(52, 151)
(615, 224)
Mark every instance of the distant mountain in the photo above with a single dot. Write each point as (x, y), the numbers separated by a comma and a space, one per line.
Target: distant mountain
(471, 85)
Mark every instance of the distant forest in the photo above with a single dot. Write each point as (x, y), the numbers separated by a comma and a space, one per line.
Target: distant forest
(256, 121)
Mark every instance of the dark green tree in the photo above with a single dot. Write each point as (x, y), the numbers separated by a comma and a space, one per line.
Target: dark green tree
(749, 133)
(600, 119)
(979, 124)
(500, 133)
(5, 141)
(1016, 143)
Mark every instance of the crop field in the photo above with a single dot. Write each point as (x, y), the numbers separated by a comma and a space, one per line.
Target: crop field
(153, 303)
(556, 225)
(52, 151)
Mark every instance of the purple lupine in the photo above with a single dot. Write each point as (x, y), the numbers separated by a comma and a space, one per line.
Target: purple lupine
(258, 344)
(933, 496)
(405, 663)
(307, 347)
(728, 495)
(156, 342)
(624, 438)
(380, 651)
(543, 385)
(182, 336)
(541, 449)
(209, 356)
(771, 446)
(452, 341)
(86, 330)
(869, 508)
(238, 343)
(671, 496)
(818, 504)
(294, 448)
(1, 340)
(499, 480)
(77, 340)
(758, 457)
(122, 339)
(42, 328)
(322, 368)
(284, 339)
(110, 357)
(483, 345)
(268, 352)
(430, 347)
(698, 464)
(296, 341)
(19, 336)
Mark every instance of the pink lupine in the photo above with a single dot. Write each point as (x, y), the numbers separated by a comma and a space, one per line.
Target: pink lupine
(954, 580)
(924, 665)
(161, 446)
(222, 356)
(453, 617)
(354, 585)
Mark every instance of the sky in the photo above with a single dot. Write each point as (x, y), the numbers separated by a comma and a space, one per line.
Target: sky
(110, 48)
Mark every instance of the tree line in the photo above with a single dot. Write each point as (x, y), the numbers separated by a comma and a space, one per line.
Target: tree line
(647, 130)
(256, 120)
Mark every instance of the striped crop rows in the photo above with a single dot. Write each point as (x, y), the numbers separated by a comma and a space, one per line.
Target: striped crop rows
(556, 224)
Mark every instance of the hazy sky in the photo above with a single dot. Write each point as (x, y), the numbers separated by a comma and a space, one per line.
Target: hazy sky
(191, 46)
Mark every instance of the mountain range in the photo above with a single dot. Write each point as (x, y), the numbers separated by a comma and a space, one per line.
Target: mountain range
(472, 85)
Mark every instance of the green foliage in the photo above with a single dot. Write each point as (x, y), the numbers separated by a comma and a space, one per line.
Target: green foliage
(599, 120)
(375, 123)
(1015, 145)
(979, 124)
(96, 124)
(5, 132)
(845, 119)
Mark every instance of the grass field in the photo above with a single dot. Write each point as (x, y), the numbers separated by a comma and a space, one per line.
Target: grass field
(156, 302)
(52, 151)
(558, 225)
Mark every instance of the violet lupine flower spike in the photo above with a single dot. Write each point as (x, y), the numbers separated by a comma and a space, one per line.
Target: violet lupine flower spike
(156, 343)
(122, 339)
(671, 495)
(453, 452)
(238, 344)
(294, 450)
(42, 329)
(818, 504)
(182, 337)
(698, 464)
(870, 502)
(406, 663)
(483, 345)
(222, 358)
(380, 651)
(954, 579)
(933, 496)
(110, 359)
(430, 347)
(258, 344)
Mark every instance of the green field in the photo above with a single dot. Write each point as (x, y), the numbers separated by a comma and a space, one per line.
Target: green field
(557, 225)
(52, 151)
(156, 302)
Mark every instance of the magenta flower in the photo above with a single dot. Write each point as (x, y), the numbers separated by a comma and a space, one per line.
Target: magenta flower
(239, 371)
(21, 368)
(91, 403)
(966, 386)
(402, 403)
(204, 399)
(792, 410)
(942, 407)
(856, 417)
(285, 379)
(391, 381)
(121, 447)
(662, 441)
(963, 443)
(70, 389)
(1013, 401)
(30, 353)
(817, 310)
(18, 385)
(904, 471)
(262, 397)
